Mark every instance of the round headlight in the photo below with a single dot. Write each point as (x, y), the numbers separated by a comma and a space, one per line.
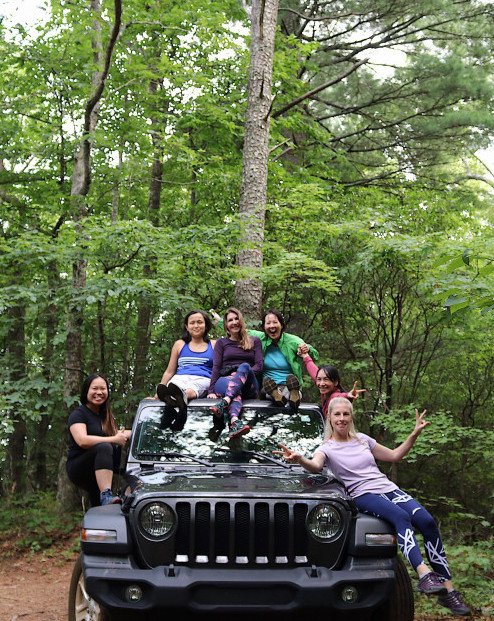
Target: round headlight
(157, 519)
(324, 521)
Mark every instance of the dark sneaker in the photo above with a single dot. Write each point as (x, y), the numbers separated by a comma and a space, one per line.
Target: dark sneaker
(164, 395)
(107, 498)
(179, 395)
(238, 428)
(270, 387)
(453, 601)
(432, 584)
(293, 386)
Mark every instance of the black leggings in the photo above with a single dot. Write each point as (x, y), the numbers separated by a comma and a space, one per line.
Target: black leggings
(81, 469)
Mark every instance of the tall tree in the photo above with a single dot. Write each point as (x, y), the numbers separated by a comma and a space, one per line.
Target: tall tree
(248, 289)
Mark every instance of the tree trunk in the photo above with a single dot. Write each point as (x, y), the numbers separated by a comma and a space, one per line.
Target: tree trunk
(248, 288)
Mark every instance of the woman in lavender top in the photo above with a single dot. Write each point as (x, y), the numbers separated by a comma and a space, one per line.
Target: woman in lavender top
(351, 457)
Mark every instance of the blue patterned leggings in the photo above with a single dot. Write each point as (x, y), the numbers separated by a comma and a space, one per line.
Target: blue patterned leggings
(241, 385)
(405, 514)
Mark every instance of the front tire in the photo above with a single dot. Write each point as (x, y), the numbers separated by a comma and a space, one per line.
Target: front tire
(82, 607)
(400, 606)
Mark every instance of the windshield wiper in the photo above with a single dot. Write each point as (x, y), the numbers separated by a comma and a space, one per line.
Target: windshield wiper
(175, 454)
(253, 454)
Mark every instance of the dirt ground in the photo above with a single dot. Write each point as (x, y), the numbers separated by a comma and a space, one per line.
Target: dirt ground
(35, 587)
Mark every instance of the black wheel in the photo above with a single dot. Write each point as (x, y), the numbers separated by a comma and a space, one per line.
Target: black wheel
(400, 606)
(82, 607)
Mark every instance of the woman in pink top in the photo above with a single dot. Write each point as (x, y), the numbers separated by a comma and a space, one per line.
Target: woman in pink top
(327, 379)
(351, 457)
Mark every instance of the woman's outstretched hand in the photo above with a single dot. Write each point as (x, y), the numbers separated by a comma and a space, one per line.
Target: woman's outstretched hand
(287, 453)
(354, 393)
(420, 423)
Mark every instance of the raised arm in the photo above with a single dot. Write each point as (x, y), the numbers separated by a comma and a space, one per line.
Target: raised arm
(311, 465)
(312, 368)
(383, 453)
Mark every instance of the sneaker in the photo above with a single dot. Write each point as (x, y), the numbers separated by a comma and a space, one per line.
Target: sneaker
(179, 395)
(432, 584)
(270, 387)
(164, 395)
(220, 409)
(453, 601)
(107, 498)
(293, 386)
(238, 428)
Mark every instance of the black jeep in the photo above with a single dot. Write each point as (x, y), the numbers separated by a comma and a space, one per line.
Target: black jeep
(223, 526)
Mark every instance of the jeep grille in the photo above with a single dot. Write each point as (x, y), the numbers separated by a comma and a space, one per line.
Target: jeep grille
(241, 532)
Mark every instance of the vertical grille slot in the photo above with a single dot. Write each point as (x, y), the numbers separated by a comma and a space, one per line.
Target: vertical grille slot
(262, 530)
(183, 537)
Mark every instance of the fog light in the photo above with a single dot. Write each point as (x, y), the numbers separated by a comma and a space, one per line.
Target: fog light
(133, 593)
(349, 594)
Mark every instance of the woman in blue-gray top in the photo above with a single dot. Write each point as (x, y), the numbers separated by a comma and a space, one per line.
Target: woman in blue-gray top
(351, 457)
(188, 373)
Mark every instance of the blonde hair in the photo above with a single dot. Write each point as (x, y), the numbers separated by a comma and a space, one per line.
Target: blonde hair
(245, 342)
(328, 430)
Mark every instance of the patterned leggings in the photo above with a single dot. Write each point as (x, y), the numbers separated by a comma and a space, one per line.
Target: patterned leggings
(241, 385)
(405, 514)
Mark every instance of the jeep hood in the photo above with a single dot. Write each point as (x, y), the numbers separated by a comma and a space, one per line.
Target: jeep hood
(234, 482)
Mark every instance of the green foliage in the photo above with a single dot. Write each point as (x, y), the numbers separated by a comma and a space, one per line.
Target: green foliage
(35, 525)
(371, 193)
(471, 569)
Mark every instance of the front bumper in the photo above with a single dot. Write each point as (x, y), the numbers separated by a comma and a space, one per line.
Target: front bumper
(238, 590)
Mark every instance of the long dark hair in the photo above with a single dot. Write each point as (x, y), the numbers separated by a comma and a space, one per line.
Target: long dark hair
(107, 419)
(332, 374)
(278, 316)
(207, 320)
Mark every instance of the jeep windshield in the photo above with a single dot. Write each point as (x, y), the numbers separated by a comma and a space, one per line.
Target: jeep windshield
(269, 425)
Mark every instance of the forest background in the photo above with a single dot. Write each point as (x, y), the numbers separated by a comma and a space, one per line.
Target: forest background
(127, 164)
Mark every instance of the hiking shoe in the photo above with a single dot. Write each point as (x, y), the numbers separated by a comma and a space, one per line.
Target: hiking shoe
(453, 601)
(238, 428)
(270, 387)
(432, 584)
(220, 409)
(164, 395)
(293, 386)
(107, 498)
(179, 395)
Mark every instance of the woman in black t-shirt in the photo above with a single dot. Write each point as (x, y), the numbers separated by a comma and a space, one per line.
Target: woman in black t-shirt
(95, 442)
